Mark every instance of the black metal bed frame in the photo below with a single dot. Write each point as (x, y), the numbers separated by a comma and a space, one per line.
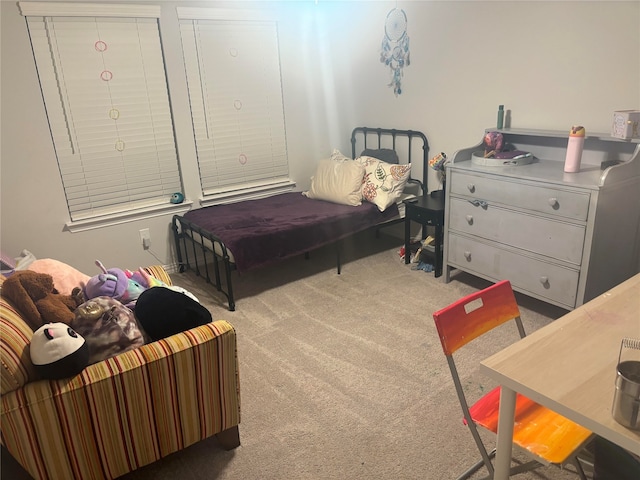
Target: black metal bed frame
(184, 230)
(366, 132)
(204, 242)
(379, 134)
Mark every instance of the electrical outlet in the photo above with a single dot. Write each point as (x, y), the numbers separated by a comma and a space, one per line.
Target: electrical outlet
(145, 238)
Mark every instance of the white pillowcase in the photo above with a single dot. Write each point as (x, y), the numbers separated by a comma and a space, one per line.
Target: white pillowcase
(338, 156)
(337, 179)
(383, 182)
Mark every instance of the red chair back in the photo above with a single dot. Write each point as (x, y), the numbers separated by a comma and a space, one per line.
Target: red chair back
(475, 314)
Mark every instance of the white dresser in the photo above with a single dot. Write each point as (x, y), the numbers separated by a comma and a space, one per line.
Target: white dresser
(560, 237)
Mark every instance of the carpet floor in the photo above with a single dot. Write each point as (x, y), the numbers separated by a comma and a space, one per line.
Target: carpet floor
(343, 376)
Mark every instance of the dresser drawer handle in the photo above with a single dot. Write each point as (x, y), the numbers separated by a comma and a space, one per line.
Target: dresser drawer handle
(467, 255)
(544, 280)
(553, 202)
(478, 203)
(471, 187)
(469, 219)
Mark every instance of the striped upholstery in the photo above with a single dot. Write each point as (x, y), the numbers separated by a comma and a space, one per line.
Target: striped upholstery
(17, 368)
(160, 273)
(127, 411)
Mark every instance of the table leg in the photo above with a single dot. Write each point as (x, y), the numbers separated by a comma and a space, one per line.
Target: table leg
(407, 238)
(505, 433)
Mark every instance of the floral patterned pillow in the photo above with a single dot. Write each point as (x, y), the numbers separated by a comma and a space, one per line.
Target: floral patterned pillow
(383, 182)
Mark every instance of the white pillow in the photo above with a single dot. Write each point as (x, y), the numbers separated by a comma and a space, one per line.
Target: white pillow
(383, 182)
(338, 156)
(337, 179)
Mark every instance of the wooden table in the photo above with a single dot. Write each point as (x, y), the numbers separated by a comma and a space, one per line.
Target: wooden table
(570, 367)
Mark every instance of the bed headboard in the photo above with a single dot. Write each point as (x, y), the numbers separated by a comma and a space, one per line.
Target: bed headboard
(403, 142)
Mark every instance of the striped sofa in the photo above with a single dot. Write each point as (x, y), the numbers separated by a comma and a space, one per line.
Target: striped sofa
(124, 412)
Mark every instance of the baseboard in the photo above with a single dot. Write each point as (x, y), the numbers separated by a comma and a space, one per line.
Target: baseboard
(172, 268)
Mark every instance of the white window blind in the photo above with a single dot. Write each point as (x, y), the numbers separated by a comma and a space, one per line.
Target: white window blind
(105, 91)
(235, 92)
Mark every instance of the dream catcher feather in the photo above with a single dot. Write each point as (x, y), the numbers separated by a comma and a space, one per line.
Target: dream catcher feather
(395, 47)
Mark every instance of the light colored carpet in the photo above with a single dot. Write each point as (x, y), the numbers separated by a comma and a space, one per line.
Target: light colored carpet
(343, 376)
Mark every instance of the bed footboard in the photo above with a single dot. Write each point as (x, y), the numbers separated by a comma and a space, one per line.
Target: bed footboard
(195, 245)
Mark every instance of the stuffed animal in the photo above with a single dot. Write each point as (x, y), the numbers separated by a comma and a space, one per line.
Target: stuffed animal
(163, 312)
(65, 277)
(147, 281)
(110, 283)
(130, 297)
(184, 291)
(57, 351)
(34, 295)
(142, 277)
(113, 283)
(493, 143)
(108, 327)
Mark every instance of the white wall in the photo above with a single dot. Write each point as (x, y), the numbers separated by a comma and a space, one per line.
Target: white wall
(553, 64)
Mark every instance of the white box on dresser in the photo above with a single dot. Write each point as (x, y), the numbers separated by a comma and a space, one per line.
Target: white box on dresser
(560, 237)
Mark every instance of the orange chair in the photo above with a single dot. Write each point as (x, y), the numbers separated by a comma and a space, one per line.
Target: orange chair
(549, 437)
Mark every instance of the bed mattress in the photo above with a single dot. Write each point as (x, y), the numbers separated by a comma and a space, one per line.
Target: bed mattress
(267, 230)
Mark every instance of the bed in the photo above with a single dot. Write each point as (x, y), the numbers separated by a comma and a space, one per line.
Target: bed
(216, 240)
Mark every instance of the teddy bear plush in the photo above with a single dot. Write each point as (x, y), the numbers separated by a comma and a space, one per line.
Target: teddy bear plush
(37, 299)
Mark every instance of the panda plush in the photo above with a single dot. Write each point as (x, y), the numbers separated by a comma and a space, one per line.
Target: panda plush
(58, 351)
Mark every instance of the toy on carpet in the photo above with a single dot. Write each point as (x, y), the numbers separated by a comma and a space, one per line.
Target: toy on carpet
(427, 267)
(163, 312)
(37, 299)
(113, 283)
(108, 327)
(58, 351)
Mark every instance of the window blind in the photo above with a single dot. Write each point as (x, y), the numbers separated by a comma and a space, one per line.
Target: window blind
(105, 92)
(235, 94)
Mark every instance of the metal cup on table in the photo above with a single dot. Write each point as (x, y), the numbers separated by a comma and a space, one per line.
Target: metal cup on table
(626, 401)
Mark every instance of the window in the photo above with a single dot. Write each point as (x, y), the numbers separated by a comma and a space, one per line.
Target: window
(102, 76)
(235, 93)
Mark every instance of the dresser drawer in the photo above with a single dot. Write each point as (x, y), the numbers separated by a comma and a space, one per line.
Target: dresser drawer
(552, 238)
(529, 275)
(544, 199)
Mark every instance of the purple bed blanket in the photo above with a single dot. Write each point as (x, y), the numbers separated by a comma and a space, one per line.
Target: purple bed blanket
(264, 231)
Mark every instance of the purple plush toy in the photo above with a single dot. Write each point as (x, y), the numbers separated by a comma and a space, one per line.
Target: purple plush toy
(113, 283)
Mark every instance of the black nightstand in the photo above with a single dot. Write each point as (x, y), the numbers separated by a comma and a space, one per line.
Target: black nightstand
(426, 210)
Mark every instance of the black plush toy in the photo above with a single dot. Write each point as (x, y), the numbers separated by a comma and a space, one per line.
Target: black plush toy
(163, 312)
(57, 351)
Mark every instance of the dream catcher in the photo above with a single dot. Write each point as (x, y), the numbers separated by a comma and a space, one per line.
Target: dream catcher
(395, 47)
